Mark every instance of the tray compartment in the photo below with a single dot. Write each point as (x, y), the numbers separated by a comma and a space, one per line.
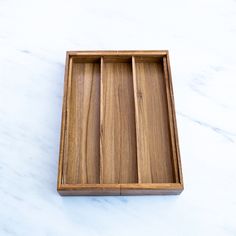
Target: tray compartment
(153, 133)
(81, 157)
(118, 135)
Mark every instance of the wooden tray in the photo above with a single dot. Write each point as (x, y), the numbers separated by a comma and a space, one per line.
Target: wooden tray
(119, 134)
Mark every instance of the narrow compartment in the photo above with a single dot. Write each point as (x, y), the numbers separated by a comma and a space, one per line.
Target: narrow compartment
(118, 135)
(154, 148)
(82, 147)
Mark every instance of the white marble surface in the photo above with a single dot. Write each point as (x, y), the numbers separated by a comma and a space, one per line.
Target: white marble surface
(201, 37)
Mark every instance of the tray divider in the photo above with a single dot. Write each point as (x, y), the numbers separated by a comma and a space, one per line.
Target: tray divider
(101, 118)
(143, 160)
(170, 116)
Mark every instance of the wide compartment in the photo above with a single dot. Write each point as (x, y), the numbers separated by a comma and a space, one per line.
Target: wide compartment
(119, 134)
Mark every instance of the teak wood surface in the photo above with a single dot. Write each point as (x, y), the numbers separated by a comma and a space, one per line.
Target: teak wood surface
(119, 133)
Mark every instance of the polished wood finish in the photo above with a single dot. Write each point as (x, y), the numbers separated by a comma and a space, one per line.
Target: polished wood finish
(81, 150)
(119, 132)
(153, 135)
(118, 135)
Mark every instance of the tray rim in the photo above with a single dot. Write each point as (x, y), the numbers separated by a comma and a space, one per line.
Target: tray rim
(119, 52)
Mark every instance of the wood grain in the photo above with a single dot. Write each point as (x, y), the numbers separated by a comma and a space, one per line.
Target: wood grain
(120, 189)
(153, 136)
(118, 135)
(174, 122)
(89, 189)
(151, 189)
(60, 179)
(171, 120)
(82, 138)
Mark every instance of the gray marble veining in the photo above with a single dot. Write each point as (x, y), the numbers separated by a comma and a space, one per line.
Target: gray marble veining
(34, 36)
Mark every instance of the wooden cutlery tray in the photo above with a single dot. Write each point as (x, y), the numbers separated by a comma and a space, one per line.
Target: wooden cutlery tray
(119, 134)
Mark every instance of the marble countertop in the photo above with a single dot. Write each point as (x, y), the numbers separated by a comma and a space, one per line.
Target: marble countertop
(201, 38)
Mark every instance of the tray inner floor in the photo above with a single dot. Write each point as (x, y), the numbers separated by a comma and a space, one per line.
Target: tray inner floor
(118, 139)
(82, 161)
(154, 143)
(117, 125)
